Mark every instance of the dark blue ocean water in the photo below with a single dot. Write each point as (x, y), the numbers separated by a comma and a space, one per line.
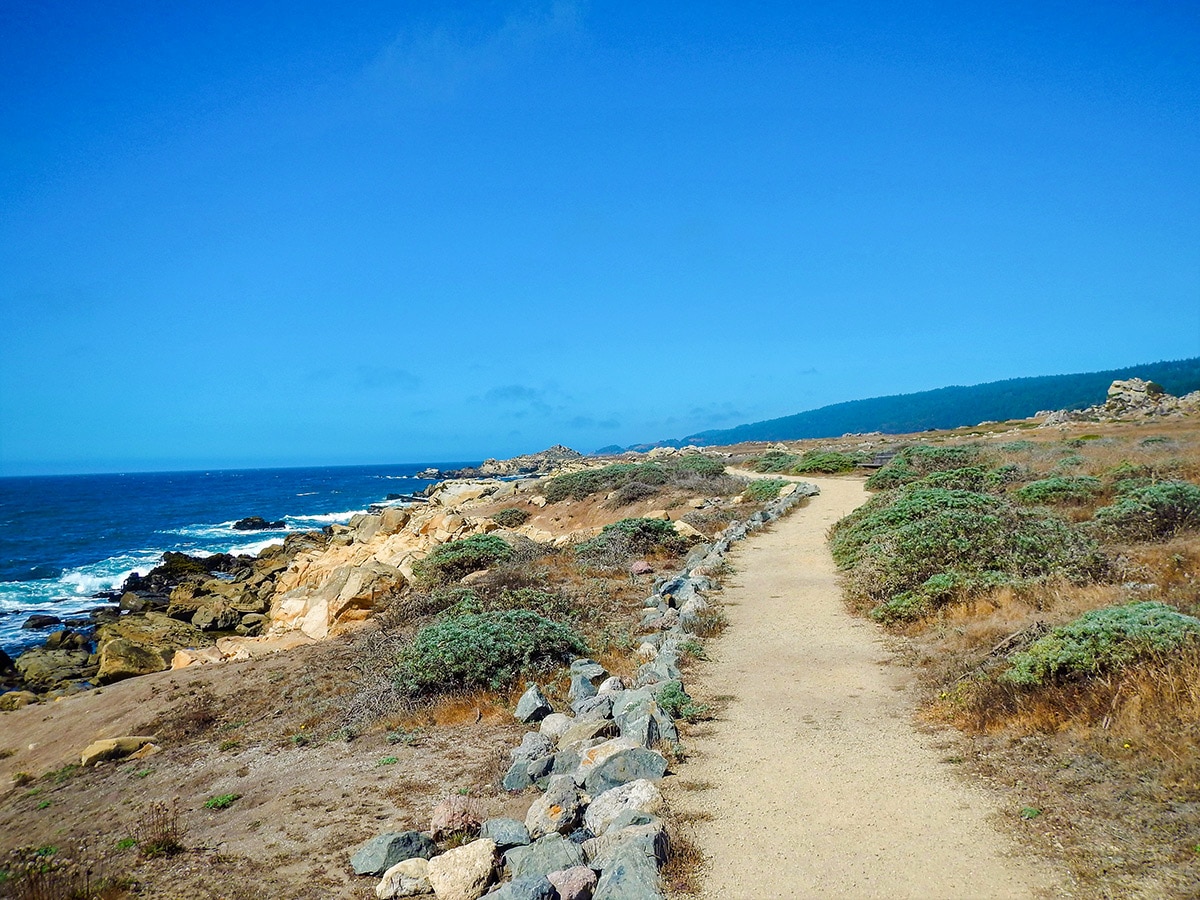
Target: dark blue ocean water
(65, 538)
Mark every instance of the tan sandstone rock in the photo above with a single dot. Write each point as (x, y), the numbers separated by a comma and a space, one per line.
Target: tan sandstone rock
(463, 873)
(408, 878)
(113, 748)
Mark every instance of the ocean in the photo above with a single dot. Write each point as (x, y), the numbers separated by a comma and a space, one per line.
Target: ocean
(63, 539)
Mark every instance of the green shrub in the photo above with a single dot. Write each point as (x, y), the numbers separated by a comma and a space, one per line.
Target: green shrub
(1073, 461)
(632, 492)
(617, 543)
(488, 650)
(898, 541)
(580, 485)
(510, 517)
(764, 489)
(1021, 446)
(914, 463)
(1100, 641)
(827, 462)
(675, 701)
(700, 464)
(1060, 489)
(774, 461)
(453, 560)
(1152, 511)
(971, 478)
(221, 801)
(693, 469)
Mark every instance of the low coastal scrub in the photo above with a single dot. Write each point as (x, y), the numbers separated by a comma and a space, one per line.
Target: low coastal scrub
(908, 551)
(635, 481)
(1100, 641)
(914, 463)
(620, 541)
(1149, 512)
(483, 650)
(1047, 588)
(510, 517)
(764, 489)
(813, 462)
(456, 559)
(1060, 489)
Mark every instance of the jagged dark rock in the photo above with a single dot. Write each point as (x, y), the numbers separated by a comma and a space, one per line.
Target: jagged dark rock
(258, 523)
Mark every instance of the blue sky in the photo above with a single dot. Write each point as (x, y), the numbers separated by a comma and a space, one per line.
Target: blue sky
(282, 234)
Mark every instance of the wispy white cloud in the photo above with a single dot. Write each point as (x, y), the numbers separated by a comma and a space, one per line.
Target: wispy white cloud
(434, 61)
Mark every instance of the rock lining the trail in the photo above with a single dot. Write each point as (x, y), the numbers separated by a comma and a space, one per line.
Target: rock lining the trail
(597, 769)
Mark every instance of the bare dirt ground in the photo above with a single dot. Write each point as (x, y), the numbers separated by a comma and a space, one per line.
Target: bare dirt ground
(241, 728)
(813, 780)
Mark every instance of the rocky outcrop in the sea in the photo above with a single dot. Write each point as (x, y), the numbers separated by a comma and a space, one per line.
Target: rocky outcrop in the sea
(1133, 398)
(257, 523)
(182, 606)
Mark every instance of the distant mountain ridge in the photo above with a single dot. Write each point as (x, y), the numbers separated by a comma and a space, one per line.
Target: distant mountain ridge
(948, 407)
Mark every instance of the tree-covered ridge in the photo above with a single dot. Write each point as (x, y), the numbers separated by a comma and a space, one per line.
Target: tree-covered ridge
(953, 407)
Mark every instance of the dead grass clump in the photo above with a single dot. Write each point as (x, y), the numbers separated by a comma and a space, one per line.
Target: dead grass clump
(685, 864)
(1158, 695)
(160, 830)
(190, 719)
(45, 873)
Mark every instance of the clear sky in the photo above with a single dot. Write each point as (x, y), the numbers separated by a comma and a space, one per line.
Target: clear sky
(243, 234)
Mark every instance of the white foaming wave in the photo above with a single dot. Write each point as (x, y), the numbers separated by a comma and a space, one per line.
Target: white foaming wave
(328, 518)
(252, 549)
(307, 494)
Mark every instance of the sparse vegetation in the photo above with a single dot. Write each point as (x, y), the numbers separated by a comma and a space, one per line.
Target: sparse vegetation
(488, 650)
(510, 517)
(1100, 641)
(1152, 511)
(634, 481)
(908, 551)
(160, 830)
(764, 489)
(221, 801)
(455, 559)
(676, 702)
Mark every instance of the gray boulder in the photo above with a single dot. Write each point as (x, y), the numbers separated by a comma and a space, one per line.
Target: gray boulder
(534, 745)
(505, 833)
(623, 767)
(380, 853)
(581, 688)
(629, 876)
(597, 707)
(647, 840)
(559, 810)
(533, 706)
(589, 669)
(517, 777)
(551, 853)
(531, 887)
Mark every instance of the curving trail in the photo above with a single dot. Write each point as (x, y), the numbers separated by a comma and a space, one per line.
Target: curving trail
(813, 781)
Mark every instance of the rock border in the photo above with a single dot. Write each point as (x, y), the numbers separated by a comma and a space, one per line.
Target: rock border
(595, 830)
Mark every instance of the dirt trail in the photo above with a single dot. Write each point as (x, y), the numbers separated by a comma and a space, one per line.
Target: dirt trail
(815, 778)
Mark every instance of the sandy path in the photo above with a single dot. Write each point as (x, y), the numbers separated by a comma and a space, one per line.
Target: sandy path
(817, 782)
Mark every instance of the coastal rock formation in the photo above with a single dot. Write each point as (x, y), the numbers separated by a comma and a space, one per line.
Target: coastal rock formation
(544, 462)
(1133, 398)
(257, 523)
